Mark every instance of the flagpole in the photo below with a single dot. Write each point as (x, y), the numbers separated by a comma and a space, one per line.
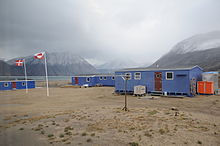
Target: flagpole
(46, 74)
(25, 73)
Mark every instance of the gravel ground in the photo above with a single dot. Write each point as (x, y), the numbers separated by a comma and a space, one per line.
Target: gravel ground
(94, 116)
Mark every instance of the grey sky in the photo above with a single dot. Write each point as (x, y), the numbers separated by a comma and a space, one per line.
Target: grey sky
(100, 30)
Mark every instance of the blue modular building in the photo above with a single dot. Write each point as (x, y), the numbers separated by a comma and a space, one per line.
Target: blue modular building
(173, 81)
(5, 85)
(84, 80)
(22, 84)
(93, 80)
(105, 80)
(9, 85)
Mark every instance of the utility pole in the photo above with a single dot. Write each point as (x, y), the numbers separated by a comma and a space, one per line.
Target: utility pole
(126, 77)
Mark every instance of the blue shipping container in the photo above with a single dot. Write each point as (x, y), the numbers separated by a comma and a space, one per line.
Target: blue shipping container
(9, 85)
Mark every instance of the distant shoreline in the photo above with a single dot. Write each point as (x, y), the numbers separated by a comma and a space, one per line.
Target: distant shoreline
(37, 78)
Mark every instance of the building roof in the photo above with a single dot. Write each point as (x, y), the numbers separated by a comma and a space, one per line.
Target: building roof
(157, 69)
(93, 75)
(16, 80)
(211, 72)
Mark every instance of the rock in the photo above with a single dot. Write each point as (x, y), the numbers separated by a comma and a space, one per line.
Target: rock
(176, 113)
(174, 109)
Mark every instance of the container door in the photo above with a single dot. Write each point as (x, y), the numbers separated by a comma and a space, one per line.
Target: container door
(201, 87)
(13, 85)
(158, 81)
(76, 80)
(209, 87)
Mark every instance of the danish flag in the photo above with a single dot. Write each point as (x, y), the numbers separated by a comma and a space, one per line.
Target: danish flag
(19, 62)
(39, 55)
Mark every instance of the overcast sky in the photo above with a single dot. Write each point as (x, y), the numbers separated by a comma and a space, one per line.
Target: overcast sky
(101, 30)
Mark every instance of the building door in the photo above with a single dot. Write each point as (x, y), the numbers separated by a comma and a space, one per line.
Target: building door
(13, 85)
(76, 80)
(158, 81)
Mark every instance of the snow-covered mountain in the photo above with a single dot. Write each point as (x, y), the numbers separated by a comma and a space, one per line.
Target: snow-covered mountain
(116, 64)
(59, 64)
(202, 50)
(198, 42)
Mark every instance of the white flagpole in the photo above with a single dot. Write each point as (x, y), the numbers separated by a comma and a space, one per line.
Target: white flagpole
(46, 74)
(25, 73)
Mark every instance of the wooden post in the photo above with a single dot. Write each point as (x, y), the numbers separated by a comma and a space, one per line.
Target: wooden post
(125, 88)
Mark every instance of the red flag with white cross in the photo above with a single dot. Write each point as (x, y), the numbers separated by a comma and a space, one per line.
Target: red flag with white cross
(19, 62)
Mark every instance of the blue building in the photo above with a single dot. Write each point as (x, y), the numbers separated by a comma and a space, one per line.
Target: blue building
(94, 80)
(9, 85)
(84, 80)
(22, 84)
(5, 85)
(176, 81)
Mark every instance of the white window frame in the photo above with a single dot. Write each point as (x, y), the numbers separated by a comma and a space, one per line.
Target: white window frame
(105, 78)
(128, 73)
(113, 77)
(137, 77)
(172, 76)
(100, 78)
(88, 79)
(6, 84)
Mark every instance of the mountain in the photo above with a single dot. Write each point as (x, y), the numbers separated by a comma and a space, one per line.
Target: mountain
(113, 65)
(118, 64)
(198, 42)
(4, 68)
(59, 64)
(202, 50)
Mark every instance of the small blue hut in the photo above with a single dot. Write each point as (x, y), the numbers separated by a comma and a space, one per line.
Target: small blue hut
(5, 85)
(19, 84)
(94, 80)
(173, 81)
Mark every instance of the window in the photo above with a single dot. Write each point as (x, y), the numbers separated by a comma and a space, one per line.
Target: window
(5, 84)
(158, 75)
(113, 78)
(169, 75)
(100, 78)
(128, 76)
(137, 76)
(105, 78)
(87, 79)
(23, 83)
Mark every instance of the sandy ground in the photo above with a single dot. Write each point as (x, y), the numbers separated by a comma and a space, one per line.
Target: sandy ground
(56, 83)
(93, 116)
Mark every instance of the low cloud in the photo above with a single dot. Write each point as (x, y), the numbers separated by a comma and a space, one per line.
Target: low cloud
(100, 30)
